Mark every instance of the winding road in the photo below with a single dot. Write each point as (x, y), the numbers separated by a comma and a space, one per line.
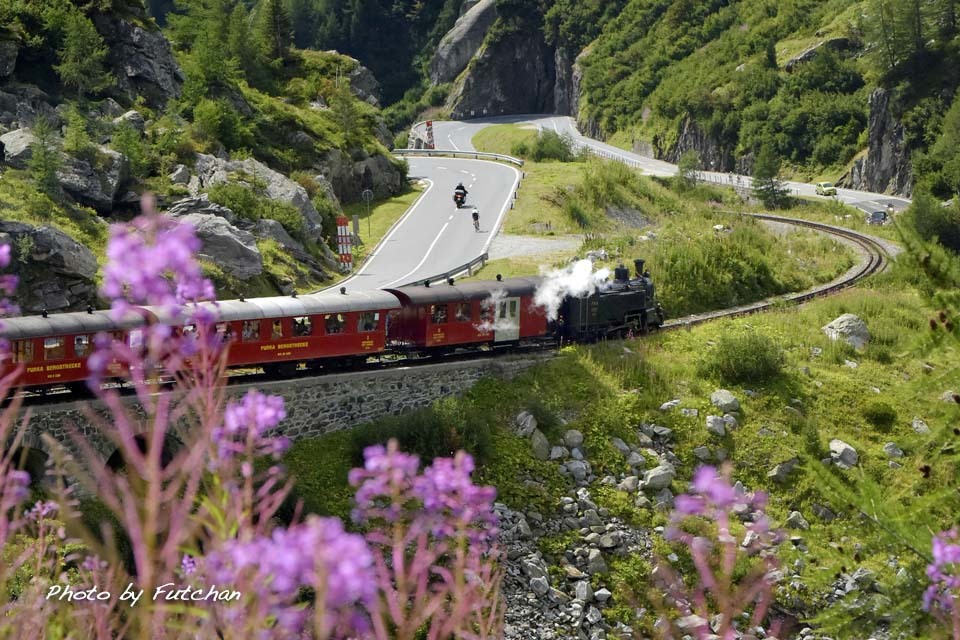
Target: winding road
(433, 237)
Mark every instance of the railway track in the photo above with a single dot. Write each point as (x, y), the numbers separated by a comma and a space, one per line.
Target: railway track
(875, 259)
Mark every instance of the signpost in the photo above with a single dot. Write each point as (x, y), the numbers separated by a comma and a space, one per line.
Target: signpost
(367, 196)
(344, 244)
(430, 144)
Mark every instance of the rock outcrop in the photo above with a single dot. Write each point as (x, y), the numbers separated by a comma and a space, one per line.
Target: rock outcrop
(17, 148)
(350, 176)
(886, 166)
(233, 250)
(140, 59)
(713, 155)
(95, 186)
(461, 43)
(21, 105)
(211, 170)
(514, 74)
(273, 230)
(56, 273)
(8, 57)
(808, 54)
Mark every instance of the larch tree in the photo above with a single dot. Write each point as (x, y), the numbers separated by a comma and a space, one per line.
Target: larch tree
(82, 55)
(274, 29)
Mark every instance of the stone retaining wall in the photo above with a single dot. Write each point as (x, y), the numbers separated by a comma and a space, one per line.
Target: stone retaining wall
(315, 405)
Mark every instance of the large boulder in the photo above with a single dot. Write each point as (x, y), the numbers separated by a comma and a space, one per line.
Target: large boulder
(16, 147)
(725, 401)
(273, 230)
(202, 204)
(843, 455)
(848, 328)
(21, 105)
(462, 42)
(56, 272)
(140, 58)
(8, 57)
(131, 118)
(98, 186)
(349, 177)
(232, 249)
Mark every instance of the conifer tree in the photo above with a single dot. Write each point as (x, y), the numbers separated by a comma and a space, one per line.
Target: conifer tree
(767, 186)
(274, 29)
(76, 138)
(44, 157)
(82, 55)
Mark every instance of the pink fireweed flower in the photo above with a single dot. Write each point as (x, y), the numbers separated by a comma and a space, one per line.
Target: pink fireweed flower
(247, 423)
(42, 510)
(450, 497)
(941, 596)
(152, 261)
(318, 554)
(15, 489)
(384, 482)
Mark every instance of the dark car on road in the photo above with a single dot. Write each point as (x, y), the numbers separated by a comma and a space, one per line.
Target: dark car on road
(877, 217)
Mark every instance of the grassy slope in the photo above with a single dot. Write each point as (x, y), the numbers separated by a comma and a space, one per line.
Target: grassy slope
(382, 215)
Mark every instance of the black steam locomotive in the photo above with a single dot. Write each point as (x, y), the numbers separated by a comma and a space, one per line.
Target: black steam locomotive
(614, 309)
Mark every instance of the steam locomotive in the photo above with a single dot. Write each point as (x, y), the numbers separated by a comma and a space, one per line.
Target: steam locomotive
(327, 331)
(615, 309)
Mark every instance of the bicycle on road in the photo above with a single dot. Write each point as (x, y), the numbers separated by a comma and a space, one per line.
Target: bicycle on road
(476, 219)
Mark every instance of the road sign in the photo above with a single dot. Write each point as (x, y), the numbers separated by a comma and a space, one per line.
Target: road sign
(344, 244)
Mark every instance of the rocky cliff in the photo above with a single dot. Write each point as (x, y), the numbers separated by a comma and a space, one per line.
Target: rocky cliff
(513, 73)
(462, 42)
(885, 168)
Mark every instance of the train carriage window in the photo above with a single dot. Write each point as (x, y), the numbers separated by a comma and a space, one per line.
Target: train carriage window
(225, 332)
(135, 338)
(486, 312)
(23, 351)
(302, 326)
(81, 346)
(333, 323)
(513, 308)
(54, 348)
(276, 330)
(503, 310)
(463, 312)
(250, 331)
(368, 322)
(438, 313)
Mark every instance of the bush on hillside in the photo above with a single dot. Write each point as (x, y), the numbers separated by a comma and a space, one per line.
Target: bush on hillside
(433, 432)
(247, 203)
(880, 414)
(548, 145)
(744, 357)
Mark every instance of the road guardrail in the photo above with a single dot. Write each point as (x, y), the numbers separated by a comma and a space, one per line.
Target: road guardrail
(476, 155)
(464, 269)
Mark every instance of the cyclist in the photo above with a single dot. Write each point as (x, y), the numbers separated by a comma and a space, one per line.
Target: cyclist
(476, 219)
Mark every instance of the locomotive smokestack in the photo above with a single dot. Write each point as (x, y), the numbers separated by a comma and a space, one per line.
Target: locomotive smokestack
(621, 273)
(638, 265)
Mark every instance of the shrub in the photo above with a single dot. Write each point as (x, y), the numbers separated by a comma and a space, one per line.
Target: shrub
(880, 414)
(744, 357)
(247, 203)
(127, 141)
(218, 121)
(430, 433)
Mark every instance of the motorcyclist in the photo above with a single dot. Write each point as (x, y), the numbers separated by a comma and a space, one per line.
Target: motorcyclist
(460, 193)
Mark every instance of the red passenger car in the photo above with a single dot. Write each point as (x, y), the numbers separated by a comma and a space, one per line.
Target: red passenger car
(443, 317)
(53, 350)
(279, 333)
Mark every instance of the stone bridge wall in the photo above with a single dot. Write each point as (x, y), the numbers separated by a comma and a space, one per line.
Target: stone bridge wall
(315, 405)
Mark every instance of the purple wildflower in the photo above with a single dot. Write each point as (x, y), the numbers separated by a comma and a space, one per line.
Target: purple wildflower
(246, 424)
(152, 261)
(944, 574)
(4, 255)
(383, 483)
(317, 554)
(16, 489)
(42, 510)
(188, 565)
(449, 495)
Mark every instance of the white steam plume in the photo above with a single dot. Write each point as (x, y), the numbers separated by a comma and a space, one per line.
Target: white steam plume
(493, 304)
(577, 279)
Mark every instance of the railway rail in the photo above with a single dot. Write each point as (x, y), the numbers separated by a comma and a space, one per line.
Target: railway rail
(875, 259)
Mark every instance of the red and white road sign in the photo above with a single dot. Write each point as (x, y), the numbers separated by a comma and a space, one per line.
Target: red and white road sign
(344, 243)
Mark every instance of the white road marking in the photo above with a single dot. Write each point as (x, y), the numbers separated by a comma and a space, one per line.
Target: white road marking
(420, 264)
(452, 143)
(420, 199)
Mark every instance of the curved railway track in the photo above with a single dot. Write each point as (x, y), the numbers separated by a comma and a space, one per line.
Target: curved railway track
(875, 259)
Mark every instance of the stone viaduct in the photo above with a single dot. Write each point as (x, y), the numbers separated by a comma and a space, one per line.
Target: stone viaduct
(315, 405)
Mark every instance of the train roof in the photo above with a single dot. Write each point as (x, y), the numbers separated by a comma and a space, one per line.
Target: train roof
(463, 291)
(60, 324)
(78, 322)
(304, 305)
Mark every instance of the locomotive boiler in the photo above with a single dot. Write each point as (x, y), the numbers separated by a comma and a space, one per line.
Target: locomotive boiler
(613, 309)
